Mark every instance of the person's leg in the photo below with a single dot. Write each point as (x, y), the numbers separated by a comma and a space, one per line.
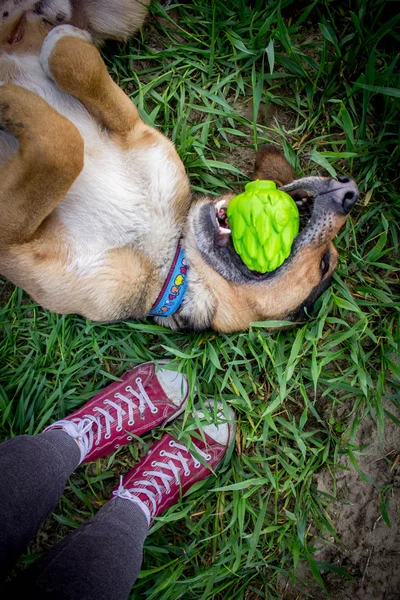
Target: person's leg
(102, 559)
(99, 561)
(35, 469)
(33, 474)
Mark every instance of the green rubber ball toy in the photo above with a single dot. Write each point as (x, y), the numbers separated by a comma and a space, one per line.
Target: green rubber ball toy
(264, 222)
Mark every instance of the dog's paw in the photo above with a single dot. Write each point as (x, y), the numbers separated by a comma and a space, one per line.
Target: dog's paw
(53, 37)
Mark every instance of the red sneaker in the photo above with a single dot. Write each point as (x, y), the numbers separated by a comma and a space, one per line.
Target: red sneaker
(147, 397)
(168, 470)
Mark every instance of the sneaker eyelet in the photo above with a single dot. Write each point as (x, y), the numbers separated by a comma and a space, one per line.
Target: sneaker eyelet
(162, 453)
(153, 463)
(131, 422)
(208, 457)
(138, 380)
(154, 410)
(96, 443)
(107, 436)
(117, 446)
(187, 473)
(196, 464)
(118, 429)
(129, 438)
(171, 444)
(145, 473)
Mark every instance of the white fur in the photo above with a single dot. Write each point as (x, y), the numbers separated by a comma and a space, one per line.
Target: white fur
(199, 301)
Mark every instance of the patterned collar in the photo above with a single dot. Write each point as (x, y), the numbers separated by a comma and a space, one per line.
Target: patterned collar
(174, 288)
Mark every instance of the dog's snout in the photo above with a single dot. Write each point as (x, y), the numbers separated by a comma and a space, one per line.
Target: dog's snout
(344, 195)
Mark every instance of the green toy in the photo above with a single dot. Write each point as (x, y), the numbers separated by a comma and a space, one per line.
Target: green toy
(264, 222)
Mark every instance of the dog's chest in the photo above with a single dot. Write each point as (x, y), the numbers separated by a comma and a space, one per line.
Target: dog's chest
(121, 197)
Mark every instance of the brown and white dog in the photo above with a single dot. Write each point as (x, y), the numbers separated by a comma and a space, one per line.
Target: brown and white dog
(94, 203)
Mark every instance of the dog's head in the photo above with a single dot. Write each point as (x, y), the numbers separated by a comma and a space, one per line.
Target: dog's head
(241, 296)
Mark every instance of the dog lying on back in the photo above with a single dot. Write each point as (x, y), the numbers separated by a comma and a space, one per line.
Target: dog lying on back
(96, 207)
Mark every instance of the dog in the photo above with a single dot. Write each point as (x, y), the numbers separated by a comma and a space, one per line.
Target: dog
(97, 215)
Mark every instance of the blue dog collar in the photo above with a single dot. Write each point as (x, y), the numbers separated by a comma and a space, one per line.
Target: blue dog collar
(174, 288)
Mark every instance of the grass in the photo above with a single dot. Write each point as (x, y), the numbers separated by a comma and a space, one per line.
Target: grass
(326, 76)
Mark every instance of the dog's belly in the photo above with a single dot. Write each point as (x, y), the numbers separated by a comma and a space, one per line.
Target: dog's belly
(122, 197)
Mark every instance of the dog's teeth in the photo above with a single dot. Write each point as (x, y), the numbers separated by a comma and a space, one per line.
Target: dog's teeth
(224, 230)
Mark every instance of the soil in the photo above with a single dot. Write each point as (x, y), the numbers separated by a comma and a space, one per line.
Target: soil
(366, 547)
(243, 157)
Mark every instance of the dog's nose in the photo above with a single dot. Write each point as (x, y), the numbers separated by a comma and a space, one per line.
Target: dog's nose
(344, 193)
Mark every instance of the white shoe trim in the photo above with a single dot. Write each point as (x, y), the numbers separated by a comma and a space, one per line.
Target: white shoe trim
(224, 432)
(174, 384)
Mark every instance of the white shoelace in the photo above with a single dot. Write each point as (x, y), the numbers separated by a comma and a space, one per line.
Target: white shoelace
(84, 430)
(158, 489)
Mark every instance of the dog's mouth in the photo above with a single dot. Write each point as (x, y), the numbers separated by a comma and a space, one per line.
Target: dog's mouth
(304, 200)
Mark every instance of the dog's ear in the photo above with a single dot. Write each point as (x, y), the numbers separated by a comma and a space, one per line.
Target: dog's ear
(271, 164)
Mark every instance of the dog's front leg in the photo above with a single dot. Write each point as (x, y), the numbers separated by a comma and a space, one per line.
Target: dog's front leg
(75, 64)
(38, 176)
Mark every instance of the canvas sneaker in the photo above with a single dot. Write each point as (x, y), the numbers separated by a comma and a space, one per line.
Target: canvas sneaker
(168, 470)
(148, 396)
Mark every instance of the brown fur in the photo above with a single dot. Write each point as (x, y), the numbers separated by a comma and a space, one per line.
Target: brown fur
(29, 177)
(271, 165)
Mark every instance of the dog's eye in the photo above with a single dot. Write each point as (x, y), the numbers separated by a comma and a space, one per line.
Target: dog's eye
(324, 266)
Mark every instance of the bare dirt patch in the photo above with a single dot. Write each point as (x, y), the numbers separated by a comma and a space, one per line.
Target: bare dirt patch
(367, 548)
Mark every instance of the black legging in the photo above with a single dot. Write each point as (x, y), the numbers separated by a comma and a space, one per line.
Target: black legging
(100, 560)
